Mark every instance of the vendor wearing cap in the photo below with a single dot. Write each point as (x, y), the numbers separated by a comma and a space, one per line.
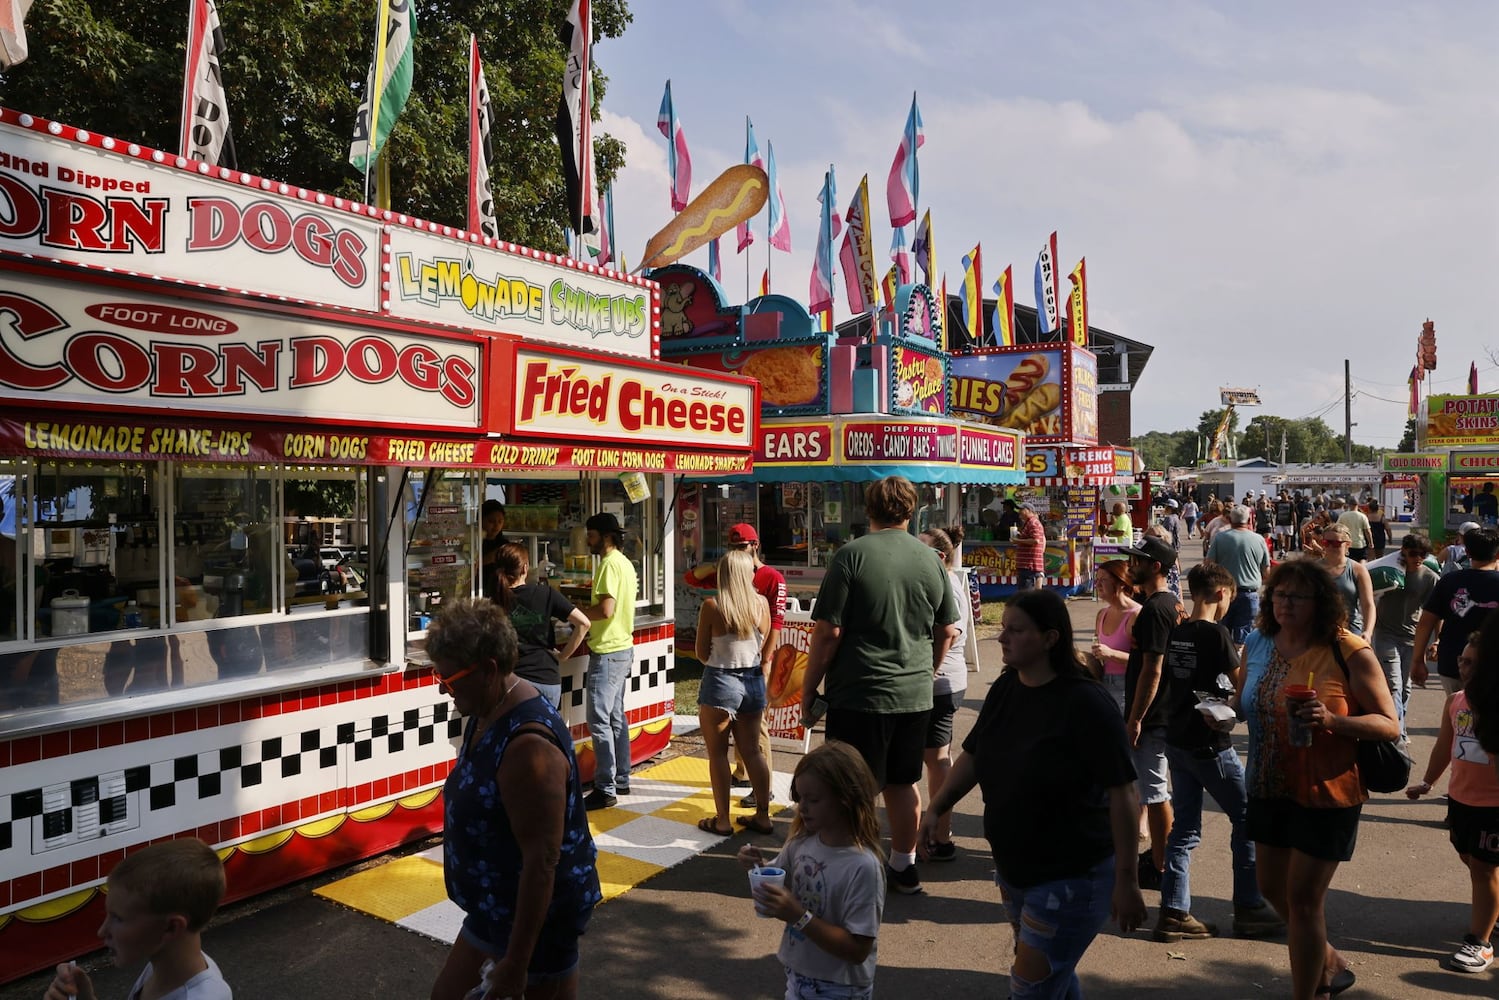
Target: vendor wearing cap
(611, 651)
(1030, 549)
(770, 584)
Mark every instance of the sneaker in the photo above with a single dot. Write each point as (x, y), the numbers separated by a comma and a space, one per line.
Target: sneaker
(739, 782)
(749, 801)
(907, 883)
(1473, 956)
(1149, 874)
(1257, 921)
(622, 789)
(1174, 925)
(599, 800)
(942, 852)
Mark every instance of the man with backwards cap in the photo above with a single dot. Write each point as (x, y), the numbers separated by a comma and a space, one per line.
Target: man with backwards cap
(1147, 697)
(611, 652)
(770, 584)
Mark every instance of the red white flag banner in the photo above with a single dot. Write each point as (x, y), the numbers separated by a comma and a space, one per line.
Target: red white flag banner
(575, 119)
(13, 32)
(205, 110)
(480, 192)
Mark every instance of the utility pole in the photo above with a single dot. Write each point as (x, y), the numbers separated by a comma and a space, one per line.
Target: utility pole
(1347, 412)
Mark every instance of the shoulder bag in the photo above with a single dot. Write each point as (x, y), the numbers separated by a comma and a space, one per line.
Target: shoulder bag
(1383, 765)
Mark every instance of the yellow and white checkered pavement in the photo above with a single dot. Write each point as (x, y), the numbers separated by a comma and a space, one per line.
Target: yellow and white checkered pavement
(652, 829)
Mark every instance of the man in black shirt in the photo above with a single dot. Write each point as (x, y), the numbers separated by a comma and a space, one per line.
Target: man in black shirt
(1200, 660)
(1146, 692)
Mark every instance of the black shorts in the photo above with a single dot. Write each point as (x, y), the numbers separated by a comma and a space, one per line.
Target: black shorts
(1474, 830)
(1358, 555)
(1324, 834)
(890, 743)
(939, 725)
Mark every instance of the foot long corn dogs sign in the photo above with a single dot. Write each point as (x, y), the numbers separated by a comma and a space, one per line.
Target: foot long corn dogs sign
(70, 196)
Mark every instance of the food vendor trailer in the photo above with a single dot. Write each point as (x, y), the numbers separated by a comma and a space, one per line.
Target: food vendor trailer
(836, 414)
(230, 510)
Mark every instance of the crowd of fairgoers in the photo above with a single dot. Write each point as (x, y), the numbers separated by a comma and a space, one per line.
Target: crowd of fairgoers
(1098, 748)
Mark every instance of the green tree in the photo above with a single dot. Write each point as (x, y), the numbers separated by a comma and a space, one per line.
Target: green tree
(294, 73)
(1163, 449)
(1408, 439)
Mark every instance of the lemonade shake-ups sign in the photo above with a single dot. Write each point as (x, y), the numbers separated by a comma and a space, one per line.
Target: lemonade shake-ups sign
(443, 281)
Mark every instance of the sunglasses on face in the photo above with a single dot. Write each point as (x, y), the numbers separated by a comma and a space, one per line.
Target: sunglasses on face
(1290, 600)
(1334, 542)
(446, 683)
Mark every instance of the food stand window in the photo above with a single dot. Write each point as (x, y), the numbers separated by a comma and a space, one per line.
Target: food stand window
(152, 578)
(802, 524)
(546, 514)
(13, 601)
(443, 532)
(643, 524)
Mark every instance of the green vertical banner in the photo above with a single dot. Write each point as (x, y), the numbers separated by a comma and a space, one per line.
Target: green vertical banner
(389, 82)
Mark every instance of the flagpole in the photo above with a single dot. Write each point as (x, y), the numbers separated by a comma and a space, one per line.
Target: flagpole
(382, 11)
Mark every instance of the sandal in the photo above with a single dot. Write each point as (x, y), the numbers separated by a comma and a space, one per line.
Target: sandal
(1341, 981)
(707, 825)
(748, 822)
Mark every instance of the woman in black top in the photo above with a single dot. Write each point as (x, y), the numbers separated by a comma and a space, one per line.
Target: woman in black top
(1060, 808)
(533, 607)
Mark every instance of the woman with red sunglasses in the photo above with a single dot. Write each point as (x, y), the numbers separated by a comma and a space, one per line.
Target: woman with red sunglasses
(518, 857)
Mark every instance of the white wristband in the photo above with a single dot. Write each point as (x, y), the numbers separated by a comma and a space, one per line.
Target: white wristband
(802, 921)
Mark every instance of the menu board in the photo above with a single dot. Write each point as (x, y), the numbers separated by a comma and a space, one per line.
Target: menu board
(1081, 511)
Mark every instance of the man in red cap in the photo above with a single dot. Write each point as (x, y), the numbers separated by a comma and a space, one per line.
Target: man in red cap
(770, 584)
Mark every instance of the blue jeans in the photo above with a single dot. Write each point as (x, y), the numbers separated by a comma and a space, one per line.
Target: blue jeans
(1222, 776)
(607, 673)
(1242, 612)
(1059, 919)
(1394, 655)
(551, 692)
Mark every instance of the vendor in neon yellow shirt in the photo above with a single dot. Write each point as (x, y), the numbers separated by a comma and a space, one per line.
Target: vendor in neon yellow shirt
(1120, 526)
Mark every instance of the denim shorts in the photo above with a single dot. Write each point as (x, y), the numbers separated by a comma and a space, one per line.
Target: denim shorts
(737, 692)
(555, 957)
(800, 987)
(1150, 767)
(1059, 919)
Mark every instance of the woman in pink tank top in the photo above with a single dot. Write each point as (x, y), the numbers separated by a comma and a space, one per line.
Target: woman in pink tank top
(1112, 640)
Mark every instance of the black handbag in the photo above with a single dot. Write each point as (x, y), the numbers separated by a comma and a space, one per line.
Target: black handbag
(1383, 765)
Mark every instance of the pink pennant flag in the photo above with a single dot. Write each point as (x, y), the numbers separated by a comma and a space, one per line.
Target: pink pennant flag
(904, 184)
(678, 160)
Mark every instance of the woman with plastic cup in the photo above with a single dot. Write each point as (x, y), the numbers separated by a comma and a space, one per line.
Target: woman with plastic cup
(1110, 649)
(1310, 690)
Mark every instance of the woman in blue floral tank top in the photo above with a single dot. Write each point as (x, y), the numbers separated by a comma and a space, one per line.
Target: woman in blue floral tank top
(517, 854)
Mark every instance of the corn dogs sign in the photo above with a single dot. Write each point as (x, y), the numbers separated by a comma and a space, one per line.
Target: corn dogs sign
(93, 344)
(70, 196)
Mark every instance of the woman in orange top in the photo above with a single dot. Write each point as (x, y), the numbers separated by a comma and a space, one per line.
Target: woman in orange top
(1304, 800)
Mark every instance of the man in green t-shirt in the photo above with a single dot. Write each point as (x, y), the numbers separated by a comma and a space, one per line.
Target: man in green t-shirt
(883, 622)
(611, 652)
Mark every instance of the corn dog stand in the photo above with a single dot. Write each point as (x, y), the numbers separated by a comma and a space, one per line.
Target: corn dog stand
(836, 413)
(1049, 391)
(185, 466)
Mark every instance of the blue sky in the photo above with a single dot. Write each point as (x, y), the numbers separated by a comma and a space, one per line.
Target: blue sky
(1261, 190)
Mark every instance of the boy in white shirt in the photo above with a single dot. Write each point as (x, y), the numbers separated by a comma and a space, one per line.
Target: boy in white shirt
(157, 902)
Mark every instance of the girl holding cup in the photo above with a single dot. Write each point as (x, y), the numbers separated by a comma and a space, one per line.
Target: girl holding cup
(834, 892)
